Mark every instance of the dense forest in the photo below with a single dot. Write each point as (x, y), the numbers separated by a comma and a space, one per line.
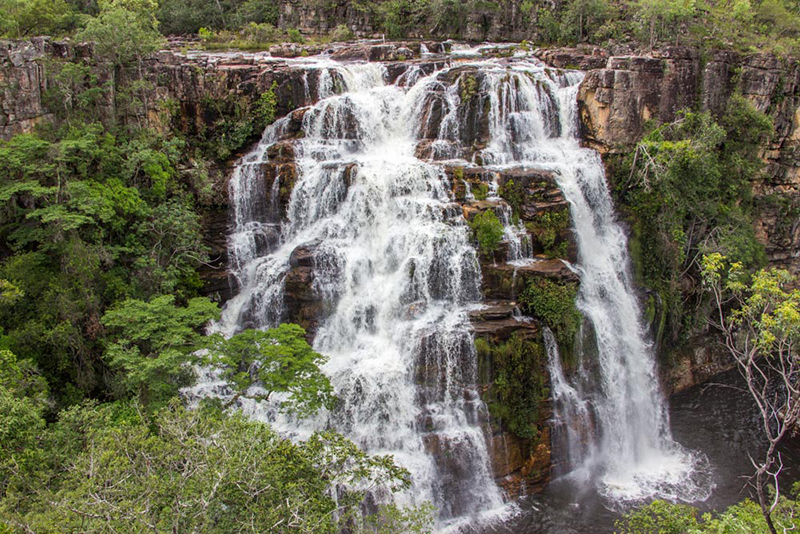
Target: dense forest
(101, 243)
(766, 25)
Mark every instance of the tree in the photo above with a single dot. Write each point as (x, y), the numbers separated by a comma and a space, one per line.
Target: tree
(153, 343)
(663, 12)
(118, 470)
(26, 18)
(23, 400)
(760, 325)
(125, 32)
(661, 517)
(259, 363)
(583, 15)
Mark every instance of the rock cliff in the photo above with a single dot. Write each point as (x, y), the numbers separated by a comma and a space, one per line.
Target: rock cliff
(617, 101)
(197, 93)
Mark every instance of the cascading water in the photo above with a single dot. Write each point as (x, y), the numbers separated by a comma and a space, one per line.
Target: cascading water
(533, 121)
(397, 274)
(394, 264)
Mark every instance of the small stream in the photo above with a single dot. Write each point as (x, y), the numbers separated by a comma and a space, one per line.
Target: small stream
(718, 419)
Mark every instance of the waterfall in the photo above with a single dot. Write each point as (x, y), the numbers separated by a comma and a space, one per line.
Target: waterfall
(533, 122)
(396, 268)
(396, 272)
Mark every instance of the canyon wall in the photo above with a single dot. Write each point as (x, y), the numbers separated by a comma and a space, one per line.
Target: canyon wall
(199, 94)
(617, 102)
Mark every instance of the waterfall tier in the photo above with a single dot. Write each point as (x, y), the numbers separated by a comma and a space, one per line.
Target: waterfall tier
(371, 221)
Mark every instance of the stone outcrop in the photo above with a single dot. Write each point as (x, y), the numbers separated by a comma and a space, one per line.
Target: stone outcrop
(617, 101)
(194, 92)
(24, 82)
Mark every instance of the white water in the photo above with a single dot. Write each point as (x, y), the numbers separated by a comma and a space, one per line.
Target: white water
(533, 121)
(397, 273)
(394, 262)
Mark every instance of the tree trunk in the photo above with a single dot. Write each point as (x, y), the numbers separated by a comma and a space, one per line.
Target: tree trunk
(762, 501)
(652, 33)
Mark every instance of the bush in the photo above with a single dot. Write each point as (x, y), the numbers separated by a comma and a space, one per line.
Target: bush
(342, 33)
(554, 304)
(488, 231)
(659, 517)
(547, 227)
(261, 33)
(295, 36)
(516, 370)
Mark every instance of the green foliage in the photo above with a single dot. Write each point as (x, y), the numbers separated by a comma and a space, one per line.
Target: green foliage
(90, 218)
(479, 190)
(554, 304)
(687, 187)
(29, 18)
(295, 36)
(488, 231)
(23, 401)
(468, 87)
(516, 370)
(744, 25)
(661, 16)
(278, 360)
(342, 33)
(124, 31)
(152, 342)
(548, 227)
(227, 474)
(660, 517)
(239, 120)
(514, 194)
(767, 308)
(582, 18)
(256, 12)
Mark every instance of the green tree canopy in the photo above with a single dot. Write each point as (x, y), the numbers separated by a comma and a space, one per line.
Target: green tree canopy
(153, 342)
(258, 363)
(111, 468)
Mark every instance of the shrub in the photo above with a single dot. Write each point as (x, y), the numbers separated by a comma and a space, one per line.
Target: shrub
(488, 231)
(554, 304)
(517, 383)
(547, 227)
(658, 517)
(342, 33)
(295, 36)
(261, 33)
(479, 190)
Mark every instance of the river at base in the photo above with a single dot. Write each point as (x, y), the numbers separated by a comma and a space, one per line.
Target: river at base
(718, 419)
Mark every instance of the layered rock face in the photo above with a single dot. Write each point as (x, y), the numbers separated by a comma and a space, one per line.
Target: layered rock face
(617, 101)
(618, 96)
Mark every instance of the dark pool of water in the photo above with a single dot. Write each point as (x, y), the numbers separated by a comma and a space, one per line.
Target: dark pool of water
(718, 419)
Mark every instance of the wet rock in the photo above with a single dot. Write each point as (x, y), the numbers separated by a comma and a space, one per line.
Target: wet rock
(697, 361)
(217, 284)
(504, 281)
(302, 304)
(521, 467)
(303, 256)
(499, 321)
(281, 152)
(292, 50)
